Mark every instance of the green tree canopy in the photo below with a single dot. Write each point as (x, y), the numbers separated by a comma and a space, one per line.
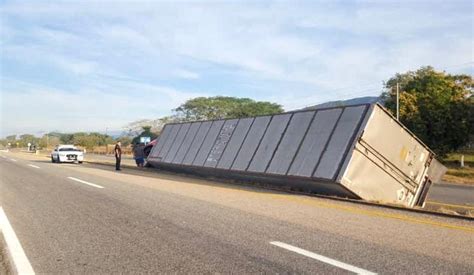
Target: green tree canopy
(220, 107)
(436, 106)
(90, 140)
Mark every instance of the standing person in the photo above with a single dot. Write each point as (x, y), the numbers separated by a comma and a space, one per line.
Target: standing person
(139, 154)
(118, 155)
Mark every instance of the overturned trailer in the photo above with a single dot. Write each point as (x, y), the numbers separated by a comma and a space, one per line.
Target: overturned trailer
(357, 151)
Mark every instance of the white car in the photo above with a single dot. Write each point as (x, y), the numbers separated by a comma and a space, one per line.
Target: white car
(67, 153)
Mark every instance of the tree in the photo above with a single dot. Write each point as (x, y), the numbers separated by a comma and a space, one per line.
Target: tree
(66, 138)
(90, 140)
(48, 140)
(436, 106)
(134, 128)
(125, 140)
(220, 107)
(27, 138)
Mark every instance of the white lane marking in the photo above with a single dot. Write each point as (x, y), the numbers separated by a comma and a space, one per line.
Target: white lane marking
(13, 160)
(85, 182)
(34, 166)
(16, 252)
(4, 157)
(322, 258)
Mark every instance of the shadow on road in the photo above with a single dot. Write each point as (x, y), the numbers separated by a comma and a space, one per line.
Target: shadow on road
(178, 177)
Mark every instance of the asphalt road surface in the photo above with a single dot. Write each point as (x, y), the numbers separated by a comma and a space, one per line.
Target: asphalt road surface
(91, 219)
(445, 193)
(452, 194)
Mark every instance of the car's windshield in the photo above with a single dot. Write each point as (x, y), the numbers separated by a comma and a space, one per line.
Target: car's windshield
(68, 149)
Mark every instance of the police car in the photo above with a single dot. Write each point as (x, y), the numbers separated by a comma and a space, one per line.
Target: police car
(67, 153)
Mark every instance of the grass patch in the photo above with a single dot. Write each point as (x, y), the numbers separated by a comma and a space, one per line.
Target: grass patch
(455, 173)
(460, 175)
(456, 158)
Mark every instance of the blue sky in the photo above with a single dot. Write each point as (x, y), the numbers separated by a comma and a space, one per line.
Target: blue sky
(83, 65)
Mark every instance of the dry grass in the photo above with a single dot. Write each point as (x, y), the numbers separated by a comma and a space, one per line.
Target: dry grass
(455, 173)
(460, 175)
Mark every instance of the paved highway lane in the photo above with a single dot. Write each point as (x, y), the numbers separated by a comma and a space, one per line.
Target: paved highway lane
(452, 194)
(162, 222)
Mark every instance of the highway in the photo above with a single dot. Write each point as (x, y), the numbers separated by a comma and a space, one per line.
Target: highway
(452, 194)
(90, 219)
(442, 194)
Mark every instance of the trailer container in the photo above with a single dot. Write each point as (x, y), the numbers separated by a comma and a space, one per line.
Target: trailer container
(358, 151)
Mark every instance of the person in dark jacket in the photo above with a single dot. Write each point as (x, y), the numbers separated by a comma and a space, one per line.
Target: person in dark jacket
(118, 155)
(139, 154)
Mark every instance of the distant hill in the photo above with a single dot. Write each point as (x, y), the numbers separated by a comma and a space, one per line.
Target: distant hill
(339, 103)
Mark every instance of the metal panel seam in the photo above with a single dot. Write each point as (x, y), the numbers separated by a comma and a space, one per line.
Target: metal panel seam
(284, 113)
(172, 161)
(181, 144)
(194, 137)
(225, 147)
(353, 140)
(278, 144)
(301, 142)
(214, 143)
(243, 141)
(366, 118)
(204, 139)
(259, 142)
(327, 142)
(159, 138)
(171, 145)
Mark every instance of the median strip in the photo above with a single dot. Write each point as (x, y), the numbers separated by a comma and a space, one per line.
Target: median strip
(15, 251)
(322, 258)
(34, 166)
(85, 182)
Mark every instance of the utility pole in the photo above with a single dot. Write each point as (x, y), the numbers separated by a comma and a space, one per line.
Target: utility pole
(398, 101)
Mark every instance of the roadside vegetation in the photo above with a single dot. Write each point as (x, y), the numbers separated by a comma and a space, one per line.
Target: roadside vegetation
(456, 173)
(201, 108)
(439, 109)
(436, 106)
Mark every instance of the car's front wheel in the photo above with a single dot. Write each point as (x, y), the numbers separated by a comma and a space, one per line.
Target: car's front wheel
(52, 159)
(80, 162)
(58, 160)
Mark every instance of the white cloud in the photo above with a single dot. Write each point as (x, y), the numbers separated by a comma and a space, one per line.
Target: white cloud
(295, 54)
(186, 74)
(37, 108)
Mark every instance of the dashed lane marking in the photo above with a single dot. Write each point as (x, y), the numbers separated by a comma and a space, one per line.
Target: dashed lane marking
(85, 182)
(322, 258)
